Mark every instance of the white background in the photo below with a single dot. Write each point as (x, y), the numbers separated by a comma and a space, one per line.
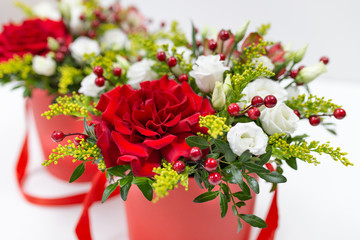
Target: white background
(319, 202)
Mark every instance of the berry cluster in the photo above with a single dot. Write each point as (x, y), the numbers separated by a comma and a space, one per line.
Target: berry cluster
(99, 72)
(171, 62)
(57, 136)
(315, 120)
(62, 51)
(210, 165)
(294, 72)
(253, 111)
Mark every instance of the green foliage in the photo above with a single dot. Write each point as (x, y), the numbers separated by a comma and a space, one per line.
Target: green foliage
(312, 105)
(76, 105)
(79, 170)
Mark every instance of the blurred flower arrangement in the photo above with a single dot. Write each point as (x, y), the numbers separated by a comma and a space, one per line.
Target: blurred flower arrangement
(158, 108)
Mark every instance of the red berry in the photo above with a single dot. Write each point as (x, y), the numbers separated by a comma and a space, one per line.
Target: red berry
(57, 136)
(161, 56)
(254, 113)
(294, 73)
(139, 58)
(299, 84)
(257, 101)
(163, 24)
(102, 17)
(233, 109)
(116, 17)
(214, 178)
(99, 81)
(210, 164)
(222, 56)
(63, 49)
(59, 56)
(183, 78)
(91, 33)
(98, 70)
(195, 154)
(78, 139)
(198, 43)
(97, 12)
(314, 120)
(179, 166)
(301, 67)
(297, 113)
(224, 35)
(325, 60)
(117, 71)
(270, 101)
(60, 40)
(339, 113)
(82, 17)
(95, 23)
(172, 61)
(212, 44)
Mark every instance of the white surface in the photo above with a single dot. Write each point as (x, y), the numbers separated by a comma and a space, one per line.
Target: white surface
(319, 202)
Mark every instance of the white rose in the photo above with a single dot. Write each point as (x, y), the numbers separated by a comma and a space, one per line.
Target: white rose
(207, 70)
(292, 92)
(45, 66)
(107, 3)
(265, 61)
(247, 136)
(47, 10)
(279, 119)
(114, 39)
(140, 72)
(263, 87)
(82, 46)
(88, 86)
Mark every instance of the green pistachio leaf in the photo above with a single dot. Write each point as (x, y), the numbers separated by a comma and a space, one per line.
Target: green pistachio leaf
(245, 156)
(239, 225)
(146, 190)
(118, 170)
(196, 141)
(252, 167)
(254, 185)
(292, 162)
(236, 175)
(224, 148)
(223, 205)
(205, 197)
(273, 177)
(245, 188)
(242, 196)
(265, 157)
(198, 180)
(253, 220)
(108, 190)
(79, 170)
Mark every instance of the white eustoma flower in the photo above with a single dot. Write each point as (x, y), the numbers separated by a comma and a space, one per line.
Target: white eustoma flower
(263, 87)
(107, 3)
(265, 61)
(308, 74)
(292, 92)
(114, 39)
(279, 119)
(207, 70)
(45, 66)
(82, 46)
(140, 72)
(88, 86)
(247, 136)
(47, 10)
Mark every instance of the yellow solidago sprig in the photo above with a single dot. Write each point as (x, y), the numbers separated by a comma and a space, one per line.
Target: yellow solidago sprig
(312, 105)
(85, 151)
(240, 80)
(302, 150)
(175, 34)
(216, 125)
(263, 29)
(76, 105)
(68, 76)
(168, 179)
(18, 66)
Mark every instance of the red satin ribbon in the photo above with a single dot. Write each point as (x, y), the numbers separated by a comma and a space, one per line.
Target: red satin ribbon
(272, 219)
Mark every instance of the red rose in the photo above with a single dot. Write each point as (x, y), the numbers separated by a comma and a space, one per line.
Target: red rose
(30, 37)
(142, 127)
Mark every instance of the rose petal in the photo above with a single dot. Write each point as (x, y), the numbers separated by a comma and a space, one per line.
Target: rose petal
(127, 147)
(160, 143)
(177, 148)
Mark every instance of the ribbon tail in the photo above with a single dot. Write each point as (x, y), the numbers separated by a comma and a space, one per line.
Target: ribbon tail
(272, 221)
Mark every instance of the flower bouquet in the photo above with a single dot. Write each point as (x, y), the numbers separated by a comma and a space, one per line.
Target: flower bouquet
(214, 113)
